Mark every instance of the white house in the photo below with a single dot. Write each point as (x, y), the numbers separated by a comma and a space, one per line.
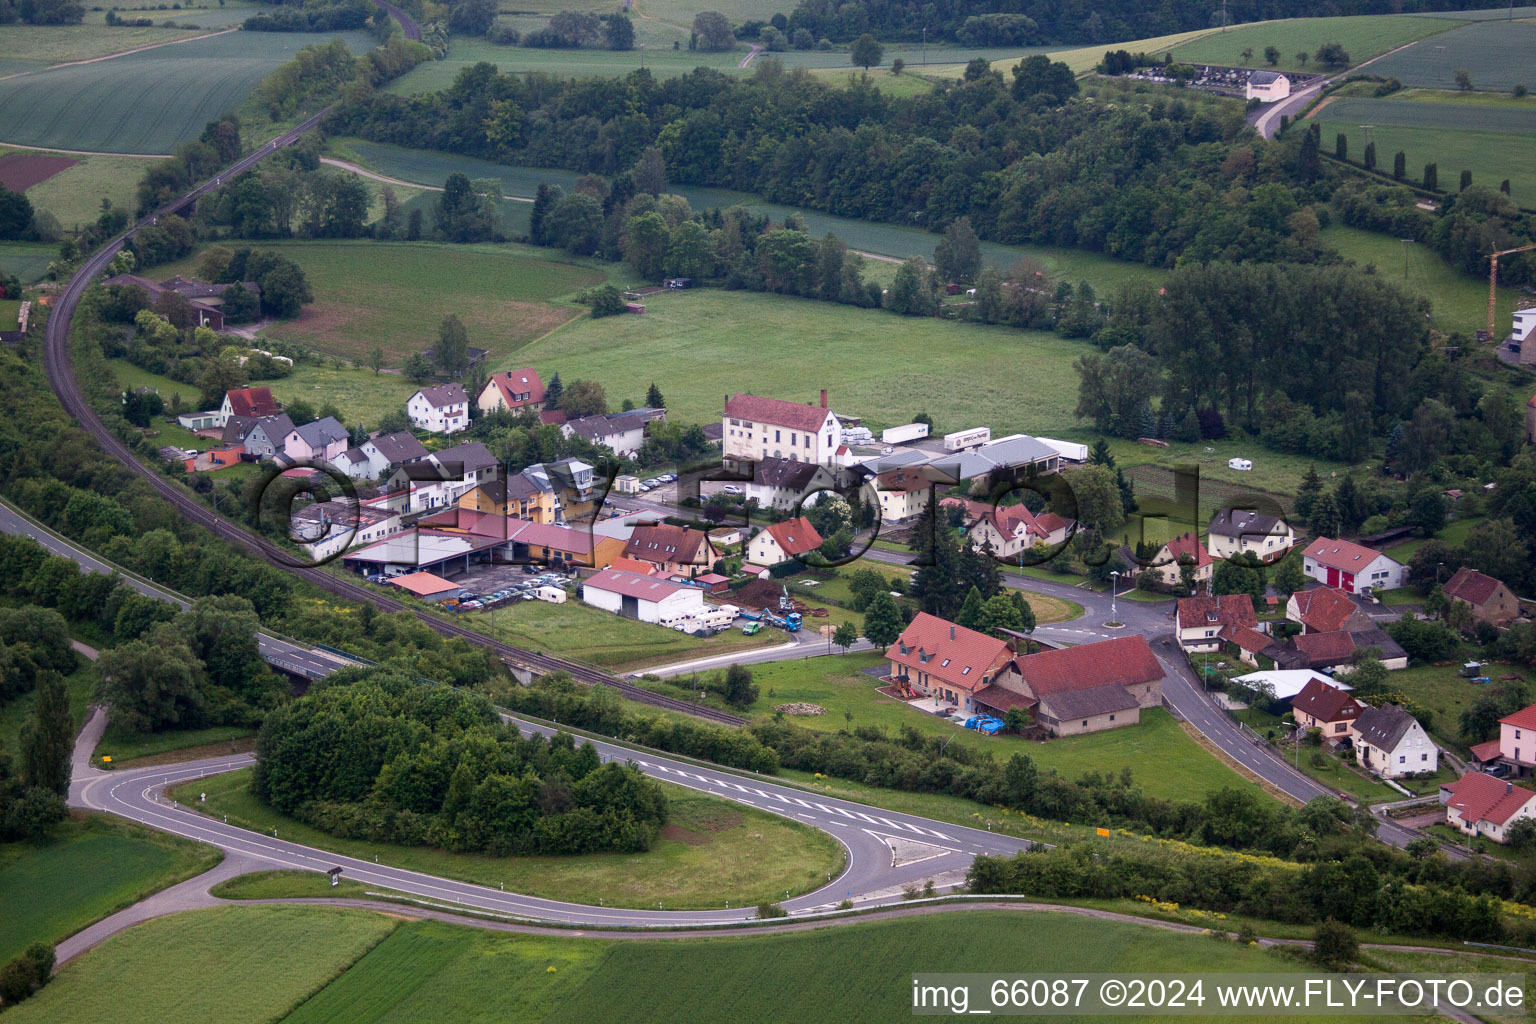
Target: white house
(1267, 87)
(621, 433)
(388, 452)
(441, 479)
(903, 493)
(754, 427)
(1351, 567)
(325, 528)
(782, 541)
(1391, 742)
(514, 391)
(1478, 804)
(1012, 530)
(782, 484)
(1235, 531)
(250, 402)
(443, 409)
(321, 441)
(644, 598)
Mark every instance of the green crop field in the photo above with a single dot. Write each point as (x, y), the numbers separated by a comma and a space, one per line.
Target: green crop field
(1080, 59)
(146, 102)
(395, 294)
(710, 851)
(1446, 111)
(703, 344)
(181, 968)
(426, 167)
(1364, 36)
(37, 46)
(27, 260)
(1496, 54)
(74, 195)
(86, 870)
(1164, 761)
(1490, 156)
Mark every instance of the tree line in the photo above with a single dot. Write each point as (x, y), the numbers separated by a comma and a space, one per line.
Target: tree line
(375, 754)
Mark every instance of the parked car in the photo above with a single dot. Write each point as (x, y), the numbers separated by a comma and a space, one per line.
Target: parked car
(730, 489)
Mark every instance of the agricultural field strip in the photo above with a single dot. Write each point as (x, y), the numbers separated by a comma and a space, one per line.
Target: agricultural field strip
(1496, 55)
(1448, 116)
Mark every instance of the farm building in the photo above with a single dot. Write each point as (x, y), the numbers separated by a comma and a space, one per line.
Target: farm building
(1490, 601)
(1085, 688)
(644, 598)
(428, 587)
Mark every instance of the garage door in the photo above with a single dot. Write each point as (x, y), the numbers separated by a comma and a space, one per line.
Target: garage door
(629, 607)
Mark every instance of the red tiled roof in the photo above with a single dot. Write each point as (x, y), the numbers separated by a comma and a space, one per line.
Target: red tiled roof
(1246, 637)
(1471, 586)
(1228, 610)
(1326, 648)
(1324, 609)
(423, 583)
(551, 417)
(1481, 797)
(1326, 703)
(1525, 718)
(665, 543)
(644, 588)
(795, 536)
(633, 565)
(1051, 522)
(518, 382)
(1125, 660)
(1341, 554)
(955, 655)
(251, 402)
(1188, 544)
(757, 409)
(1485, 752)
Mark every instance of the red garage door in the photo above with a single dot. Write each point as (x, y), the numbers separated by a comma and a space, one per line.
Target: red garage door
(1333, 577)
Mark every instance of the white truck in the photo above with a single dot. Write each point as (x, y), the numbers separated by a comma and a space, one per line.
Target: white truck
(967, 438)
(902, 434)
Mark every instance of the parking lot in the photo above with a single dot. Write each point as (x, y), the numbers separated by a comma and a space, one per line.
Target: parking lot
(516, 582)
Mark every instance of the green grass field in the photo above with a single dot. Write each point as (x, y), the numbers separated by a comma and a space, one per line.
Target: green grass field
(1082, 58)
(27, 260)
(1164, 761)
(87, 869)
(357, 391)
(180, 968)
(79, 684)
(1364, 36)
(711, 851)
(709, 343)
(426, 167)
(1490, 156)
(1497, 54)
(74, 195)
(124, 745)
(1442, 689)
(395, 294)
(41, 45)
(146, 102)
(1454, 534)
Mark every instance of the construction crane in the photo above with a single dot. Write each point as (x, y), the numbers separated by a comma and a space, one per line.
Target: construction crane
(1493, 280)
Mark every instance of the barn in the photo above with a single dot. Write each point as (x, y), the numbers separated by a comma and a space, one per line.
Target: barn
(644, 598)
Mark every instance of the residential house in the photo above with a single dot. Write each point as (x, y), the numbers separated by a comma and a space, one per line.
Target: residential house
(673, 548)
(253, 403)
(1481, 805)
(782, 484)
(903, 494)
(1326, 708)
(644, 598)
(321, 441)
(439, 480)
(1199, 621)
(949, 663)
(1012, 530)
(515, 391)
(324, 528)
(621, 433)
(388, 452)
(1236, 531)
(354, 463)
(1084, 688)
(441, 409)
(516, 496)
(1517, 740)
(1490, 601)
(1351, 567)
(204, 314)
(570, 482)
(1326, 610)
(263, 438)
(1336, 652)
(780, 542)
(1391, 742)
(1185, 549)
(754, 427)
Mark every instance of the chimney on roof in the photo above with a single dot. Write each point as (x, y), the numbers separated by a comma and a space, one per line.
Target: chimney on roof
(1509, 787)
(823, 398)
(951, 630)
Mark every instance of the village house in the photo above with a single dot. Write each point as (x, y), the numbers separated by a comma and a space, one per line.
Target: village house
(354, 463)
(516, 496)
(570, 485)
(903, 494)
(1186, 549)
(1336, 652)
(439, 480)
(1199, 621)
(780, 542)
(1081, 689)
(1481, 805)
(252, 403)
(1326, 708)
(1391, 742)
(321, 441)
(388, 452)
(754, 427)
(1490, 601)
(204, 309)
(949, 663)
(263, 438)
(1516, 745)
(1235, 531)
(679, 549)
(782, 484)
(621, 433)
(442, 409)
(1326, 610)
(515, 391)
(1351, 567)
(1012, 530)
(323, 529)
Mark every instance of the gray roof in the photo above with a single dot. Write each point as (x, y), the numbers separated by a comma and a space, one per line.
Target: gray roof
(1240, 522)
(784, 474)
(1263, 77)
(467, 458)
(1101, 700)
(1384, 727)
(354, 455)
(236, 427)
(400, 447)
(443, 395)
(1390, 649)
(319, 433)
(591, 428)
(517, 487)
(1006, 454)
(275, 427)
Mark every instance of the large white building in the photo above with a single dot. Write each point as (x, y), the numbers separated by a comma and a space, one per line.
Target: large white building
(1235, 531)
(443, 409)
(1351, 567)
(1267, 87)
(754, 427)
(1391, 742)
(644, 598)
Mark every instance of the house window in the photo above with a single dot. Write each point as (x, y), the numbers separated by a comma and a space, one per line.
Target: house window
(1423, 757)
(1402, 760)
(1111, 718)
(1085, 723)
(1341, 727)
(775, 437)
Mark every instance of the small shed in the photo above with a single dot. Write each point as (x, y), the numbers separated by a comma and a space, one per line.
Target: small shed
(626, 484)
(634, 307)
(428, 587)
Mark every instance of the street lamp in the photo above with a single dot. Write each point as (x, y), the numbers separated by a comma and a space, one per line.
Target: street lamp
(1114, 585)
(1296, 738)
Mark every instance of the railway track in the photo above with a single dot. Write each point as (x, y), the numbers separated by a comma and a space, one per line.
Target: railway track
(59, 366)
